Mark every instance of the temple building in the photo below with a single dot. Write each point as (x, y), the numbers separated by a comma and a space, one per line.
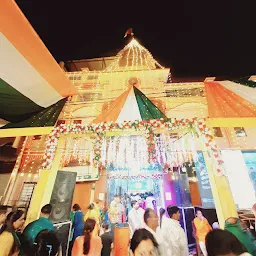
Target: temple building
(120, 125)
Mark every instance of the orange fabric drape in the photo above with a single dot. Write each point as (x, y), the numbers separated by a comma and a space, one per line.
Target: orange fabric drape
(112, 113)
(224, 103)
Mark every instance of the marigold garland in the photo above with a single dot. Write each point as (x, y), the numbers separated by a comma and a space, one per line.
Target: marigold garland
(198, 126)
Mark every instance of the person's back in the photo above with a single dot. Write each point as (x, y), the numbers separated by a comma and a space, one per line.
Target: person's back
(34, 228)
(93, 213)
(88, 244)
(233, 225)
(95, 246)
(107, 240)
(78, 223)
(221, 242)
(46, 244)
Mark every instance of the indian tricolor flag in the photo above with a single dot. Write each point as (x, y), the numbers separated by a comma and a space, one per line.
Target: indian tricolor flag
(129, 106)
(33, 87)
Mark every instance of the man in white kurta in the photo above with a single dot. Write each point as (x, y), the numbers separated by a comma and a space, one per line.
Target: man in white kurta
(173, 234)
(152, 225)
(135, 217)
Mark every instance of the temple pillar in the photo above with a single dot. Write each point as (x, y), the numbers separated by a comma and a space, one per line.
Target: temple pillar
(223, 199)
(43, 190)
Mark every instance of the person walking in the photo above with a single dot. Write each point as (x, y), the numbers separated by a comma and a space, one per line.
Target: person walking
(78, 223)
(116, 212)
(107, 240)
(152, 225)
(173, 234)
(135, 217)
(88, 244)
(93, 213)
(201, 228)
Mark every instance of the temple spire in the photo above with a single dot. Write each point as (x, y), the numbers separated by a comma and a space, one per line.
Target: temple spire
(133, 57)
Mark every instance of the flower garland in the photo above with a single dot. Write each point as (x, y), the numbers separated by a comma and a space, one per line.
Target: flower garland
(147, 125)
(212, 149)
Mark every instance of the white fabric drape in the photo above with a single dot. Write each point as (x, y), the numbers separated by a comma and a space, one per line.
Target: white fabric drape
(21, 75)
(130, 110)
(239, 180)
(243, 91)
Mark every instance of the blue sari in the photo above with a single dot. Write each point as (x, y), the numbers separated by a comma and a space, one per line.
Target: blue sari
(78, 225)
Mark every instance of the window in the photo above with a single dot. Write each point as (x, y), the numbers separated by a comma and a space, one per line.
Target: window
(26, 194)
(75, 77)
(77, 121)
(217, 132)
(240, 132)
(196, 92)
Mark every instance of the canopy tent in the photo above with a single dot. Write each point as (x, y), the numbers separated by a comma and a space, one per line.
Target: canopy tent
(225, 99)
(129, 106)
(30, 79)
(32, 84)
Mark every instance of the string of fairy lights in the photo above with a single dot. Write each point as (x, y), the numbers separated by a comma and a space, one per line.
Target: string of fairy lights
(133, 61)
(134, 58)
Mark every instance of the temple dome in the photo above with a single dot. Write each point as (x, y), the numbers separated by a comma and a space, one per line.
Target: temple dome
(133, 57)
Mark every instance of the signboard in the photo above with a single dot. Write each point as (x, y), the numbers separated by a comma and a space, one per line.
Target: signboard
(203, 182)
(84, 173)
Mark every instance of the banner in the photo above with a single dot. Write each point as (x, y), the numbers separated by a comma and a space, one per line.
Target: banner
(203, 182)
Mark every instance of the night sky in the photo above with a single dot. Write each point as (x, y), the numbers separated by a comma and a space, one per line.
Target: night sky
(193, 38)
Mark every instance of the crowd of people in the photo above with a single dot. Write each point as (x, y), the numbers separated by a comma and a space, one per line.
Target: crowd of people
(168, 238)
(37, 238)
(155, 232)
(151, 233)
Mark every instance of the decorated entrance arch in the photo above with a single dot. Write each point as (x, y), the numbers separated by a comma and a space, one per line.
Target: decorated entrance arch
(149, 129)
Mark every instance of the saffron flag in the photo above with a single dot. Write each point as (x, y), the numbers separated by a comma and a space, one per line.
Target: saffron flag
(128, 32)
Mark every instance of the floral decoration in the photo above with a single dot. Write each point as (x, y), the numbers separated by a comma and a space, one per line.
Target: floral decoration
(149, 126)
